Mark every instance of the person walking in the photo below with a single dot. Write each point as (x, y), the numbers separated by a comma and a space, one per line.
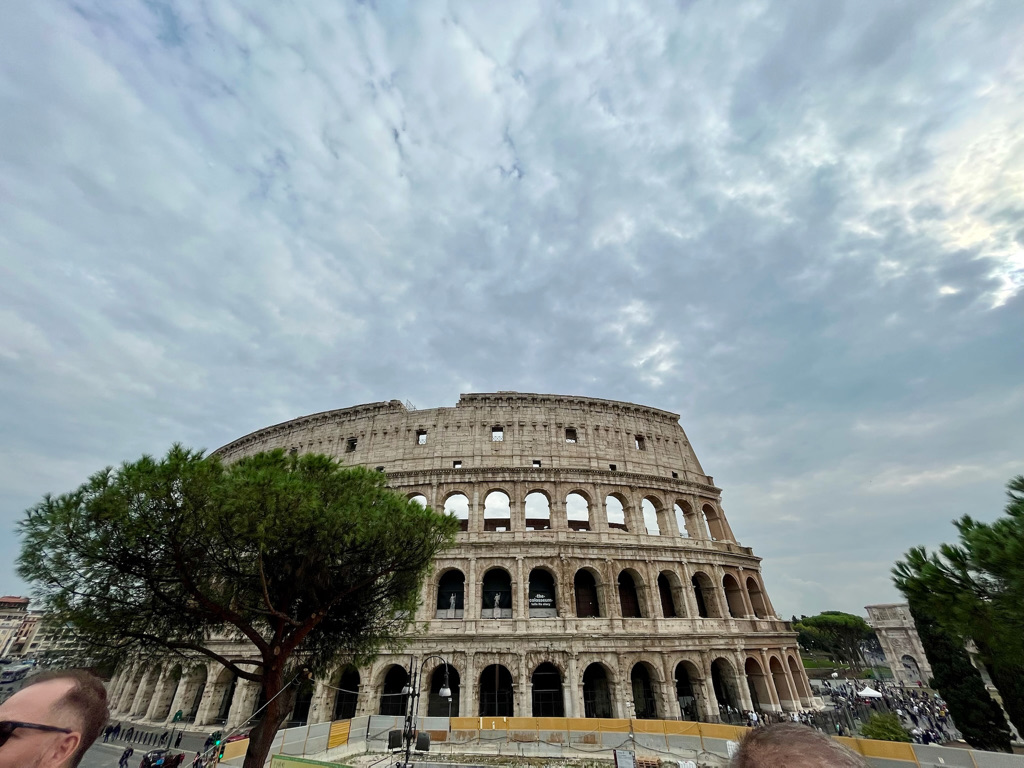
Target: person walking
(126, 756)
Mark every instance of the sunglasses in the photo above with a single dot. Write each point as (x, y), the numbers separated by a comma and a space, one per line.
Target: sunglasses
(7, 727)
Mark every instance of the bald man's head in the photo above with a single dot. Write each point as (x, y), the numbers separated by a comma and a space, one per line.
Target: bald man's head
(71, 708)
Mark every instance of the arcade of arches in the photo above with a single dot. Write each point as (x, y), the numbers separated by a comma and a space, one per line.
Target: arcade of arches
(696, 686)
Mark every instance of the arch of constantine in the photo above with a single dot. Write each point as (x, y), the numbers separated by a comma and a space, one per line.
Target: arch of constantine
(595, 574)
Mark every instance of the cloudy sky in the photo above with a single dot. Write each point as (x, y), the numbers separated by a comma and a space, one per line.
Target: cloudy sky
(798, 224)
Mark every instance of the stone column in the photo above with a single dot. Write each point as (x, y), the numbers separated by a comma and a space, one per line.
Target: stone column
(140, 701)
(748, 604)
(523, 690)
(184, 695)
(519, 587)
(698, 518)
(471, 600)
(476, 513)
(689, 598)
(770, 680)
(517, 509)
(243, 703)
(160, 694)
(667, 521)
(598, 511)
(212, 694)
(469, 704)
(572, 688)
(707, 690)
(744, 688)
(556, 507)
(799, 700)
(321, 709)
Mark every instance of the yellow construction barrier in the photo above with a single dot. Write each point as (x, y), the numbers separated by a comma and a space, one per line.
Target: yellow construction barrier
(338, 736)
(235, 748)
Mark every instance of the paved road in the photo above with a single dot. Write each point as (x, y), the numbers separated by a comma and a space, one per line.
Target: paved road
(102, 755)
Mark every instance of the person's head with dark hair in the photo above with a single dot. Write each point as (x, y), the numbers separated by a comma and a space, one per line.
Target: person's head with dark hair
(52, 720)
(793, 745)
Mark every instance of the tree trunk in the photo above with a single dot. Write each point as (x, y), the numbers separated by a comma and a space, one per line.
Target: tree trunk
(261, 738)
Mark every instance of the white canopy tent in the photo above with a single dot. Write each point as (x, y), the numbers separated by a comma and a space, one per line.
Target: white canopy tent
(869, 693)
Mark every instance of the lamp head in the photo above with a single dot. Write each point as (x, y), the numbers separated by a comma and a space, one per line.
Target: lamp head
(406, 689)
(445, 693)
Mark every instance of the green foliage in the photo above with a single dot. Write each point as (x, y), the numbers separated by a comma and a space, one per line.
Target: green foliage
(885, 727)
(295, 554)
(834, 632)
(975, 713)
(975, 590)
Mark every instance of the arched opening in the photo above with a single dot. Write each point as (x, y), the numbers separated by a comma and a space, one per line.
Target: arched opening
(347, 698)
(497, 595)
(714, 522)
(733, 597)
(911, 667)
(665, 592)
(392, 702)
(547, 692)
(786, 696)
(597, 699)
(687, 684)
(145, 697)
(757, 682)
(227, 696)
(796, 671)
(195, 686)
(451, 589)
(457, 505)
(538, 512)
(723, 680)
(542, 594)
(303, 701)
(629, 601)
(497, 511)
(682, 523)
(577, 512)
(650, 517)
(615, 508)
(496, 692)
(644, 704)
(447, 706)
(585, 587)
(704, 593)
(419, 498)
(757, 600)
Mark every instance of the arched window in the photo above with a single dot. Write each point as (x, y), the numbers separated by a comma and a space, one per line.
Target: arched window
(714, 522)
(723, 680)
(587, 604)
(419, 498)
(392, 702)
(438, 706)
(704, 592)
(682, 520)
(497, 512)
(348, 697)
(628, 599)
(643, 693)
(496, 692)
(733, 597)
(497, 595)
(538, 512)
(457, 505)
(668, 603)
(616, 511)
(687, 684)
(196, 683)
(303, 701)
(577, 512)
(597, 699)
(547, 692)
(541, 596)
(757, 598)
(787, 699)
(650, 517)
(758, 685)
(796, 671)
(450, 593)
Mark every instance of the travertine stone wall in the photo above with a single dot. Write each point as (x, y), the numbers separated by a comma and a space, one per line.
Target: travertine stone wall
(699, 639)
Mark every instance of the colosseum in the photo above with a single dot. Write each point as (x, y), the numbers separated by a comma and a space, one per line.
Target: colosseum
(595, 574)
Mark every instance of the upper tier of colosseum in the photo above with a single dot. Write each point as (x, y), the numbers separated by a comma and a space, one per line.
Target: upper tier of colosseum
(496, 429)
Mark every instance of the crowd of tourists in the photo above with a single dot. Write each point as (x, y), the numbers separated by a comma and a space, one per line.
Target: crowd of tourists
(924, 715)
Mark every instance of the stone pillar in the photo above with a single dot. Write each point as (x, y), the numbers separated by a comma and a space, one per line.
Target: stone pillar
(556, 507)
(700, 523)
(667, 521)
(184, 695)
(321, 709)
(519, 588)
(690, 599)
(243, 704)
(212, 694)
(744, 688)
(799, 700)
(471, 600)
(770, 680)
(476, 513)
(165, 688)
(707, 690)
(748, 604)
(598, 512)
(469, 704)
(523, 690)
(572, 689)
(141, 699)
(517, 509)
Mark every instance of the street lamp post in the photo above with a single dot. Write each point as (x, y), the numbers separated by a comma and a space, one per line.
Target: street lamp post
(411, 691)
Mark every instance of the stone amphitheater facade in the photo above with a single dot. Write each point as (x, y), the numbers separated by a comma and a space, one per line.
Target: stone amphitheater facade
(595, 575)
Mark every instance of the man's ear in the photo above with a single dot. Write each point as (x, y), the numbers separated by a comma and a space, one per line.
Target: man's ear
(66, 747)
